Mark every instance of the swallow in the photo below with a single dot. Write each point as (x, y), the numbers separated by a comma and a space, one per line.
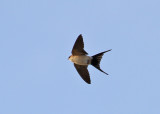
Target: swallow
(81, 60)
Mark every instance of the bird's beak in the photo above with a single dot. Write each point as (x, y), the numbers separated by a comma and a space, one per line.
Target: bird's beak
(69, 57)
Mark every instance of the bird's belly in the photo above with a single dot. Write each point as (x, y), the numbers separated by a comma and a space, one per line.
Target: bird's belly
(82, 60)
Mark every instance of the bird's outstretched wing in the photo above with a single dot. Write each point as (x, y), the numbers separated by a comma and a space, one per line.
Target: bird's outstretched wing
(83, 72)
(78, 47)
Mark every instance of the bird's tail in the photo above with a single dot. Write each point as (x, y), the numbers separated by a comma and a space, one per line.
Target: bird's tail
(96, 59)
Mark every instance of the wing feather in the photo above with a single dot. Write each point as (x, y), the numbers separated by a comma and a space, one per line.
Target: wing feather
(83, 72)
(78, 48)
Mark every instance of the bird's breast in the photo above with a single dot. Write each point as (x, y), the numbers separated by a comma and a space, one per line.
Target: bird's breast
(82, 60)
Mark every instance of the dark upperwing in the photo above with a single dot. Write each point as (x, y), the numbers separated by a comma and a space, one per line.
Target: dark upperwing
(83, 72)
(78, 47)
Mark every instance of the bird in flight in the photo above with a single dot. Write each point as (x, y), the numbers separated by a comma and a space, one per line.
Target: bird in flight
(81, 60)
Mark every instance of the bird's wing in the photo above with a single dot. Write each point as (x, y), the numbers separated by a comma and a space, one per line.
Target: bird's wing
(78, 47)
(83, 72)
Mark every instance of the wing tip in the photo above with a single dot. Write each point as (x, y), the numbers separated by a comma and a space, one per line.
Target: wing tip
(88, 82)
(80, 36)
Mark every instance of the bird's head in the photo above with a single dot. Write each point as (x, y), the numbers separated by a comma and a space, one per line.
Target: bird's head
(69, 57)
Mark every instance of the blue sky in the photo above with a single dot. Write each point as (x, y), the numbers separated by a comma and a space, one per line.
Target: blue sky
(36, 39)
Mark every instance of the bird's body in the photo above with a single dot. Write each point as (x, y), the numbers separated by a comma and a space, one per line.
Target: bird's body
(81, 60)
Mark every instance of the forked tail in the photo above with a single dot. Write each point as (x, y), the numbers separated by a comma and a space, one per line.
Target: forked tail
(96, 59)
